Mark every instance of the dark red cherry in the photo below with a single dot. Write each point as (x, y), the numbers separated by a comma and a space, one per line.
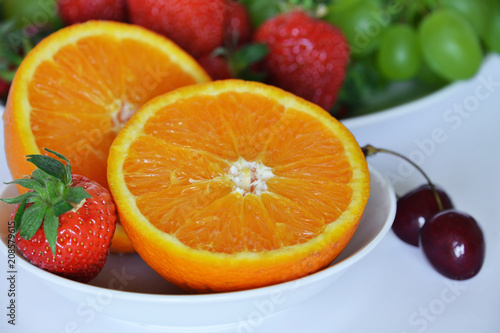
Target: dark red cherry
(414, 209)
(454, 244)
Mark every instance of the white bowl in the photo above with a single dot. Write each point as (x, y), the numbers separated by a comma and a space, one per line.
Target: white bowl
(130, 290)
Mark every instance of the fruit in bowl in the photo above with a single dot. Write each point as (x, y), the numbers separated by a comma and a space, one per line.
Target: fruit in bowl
(231, 185)
(133, 285)
(245, 135)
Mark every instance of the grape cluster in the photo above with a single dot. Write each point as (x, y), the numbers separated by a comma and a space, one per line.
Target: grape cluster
(429, 43)
(446, 36)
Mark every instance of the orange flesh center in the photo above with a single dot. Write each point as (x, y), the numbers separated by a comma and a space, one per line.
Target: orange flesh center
(122, 115)
(249, 177)
(236, 172)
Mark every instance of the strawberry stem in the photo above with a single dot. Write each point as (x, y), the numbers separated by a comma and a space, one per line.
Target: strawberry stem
(51, 195)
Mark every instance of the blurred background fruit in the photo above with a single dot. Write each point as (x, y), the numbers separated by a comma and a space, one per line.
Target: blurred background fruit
(398, 57)
(361, 27)
(492, 30)
(399, 50)
(22, 25)
(418, 46)
(28, 13)
(195, 25)
(450, 45)
(473, 11)
(76, 11)
(307, 56)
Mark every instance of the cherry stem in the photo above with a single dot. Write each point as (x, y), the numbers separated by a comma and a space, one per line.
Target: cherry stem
(369, 150)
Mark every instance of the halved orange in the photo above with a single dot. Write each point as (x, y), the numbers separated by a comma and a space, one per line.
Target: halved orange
(75, 90)
(233, 185)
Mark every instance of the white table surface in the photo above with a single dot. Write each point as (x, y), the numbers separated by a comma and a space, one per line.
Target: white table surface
(393, 289)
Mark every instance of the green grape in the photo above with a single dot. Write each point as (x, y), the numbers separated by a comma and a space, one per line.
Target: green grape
(492, 33)
(429, 78)
(398, 57)
(474, 11)
(449, 45)
(362, 23)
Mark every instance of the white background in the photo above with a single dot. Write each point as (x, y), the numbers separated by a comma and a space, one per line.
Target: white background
(393, 289)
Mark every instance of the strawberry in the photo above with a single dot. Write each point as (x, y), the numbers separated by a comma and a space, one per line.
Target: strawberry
(197, 26)
(65, 223)
(4, 88)
(75, 11)
(238, 28)
(216, 66)
(307, 57)
(224, 63)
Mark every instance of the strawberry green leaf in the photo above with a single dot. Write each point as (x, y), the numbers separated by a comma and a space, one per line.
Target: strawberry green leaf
(49, 165)
(32, 219)
(251, 53)
(61, 156)
(62, 207)
(240, 62)
(59, 188)
(11, 57)
(52, 196)
(68, 165)
(50, 226)
(29, 183)
(253, 76)
(261, 10)
(19, 199)
(219, 51)
(27, 46)
(77, 194)
(40, 176)
(19, 215)
(6, 26)
(54, 190)
(7, 75)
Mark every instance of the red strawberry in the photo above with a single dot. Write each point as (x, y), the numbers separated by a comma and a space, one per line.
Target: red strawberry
(195, 25)
(307, 57)
(216, 66)
(225, 63)
(237, 26)
(4, 88)
(75, 11)
(65, 223)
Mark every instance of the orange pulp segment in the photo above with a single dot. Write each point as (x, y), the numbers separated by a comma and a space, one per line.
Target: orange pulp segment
(233, 185)
(76, 89)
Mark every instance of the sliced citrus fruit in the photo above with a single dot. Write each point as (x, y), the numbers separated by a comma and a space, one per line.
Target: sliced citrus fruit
(233, 185)
(75, 90)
